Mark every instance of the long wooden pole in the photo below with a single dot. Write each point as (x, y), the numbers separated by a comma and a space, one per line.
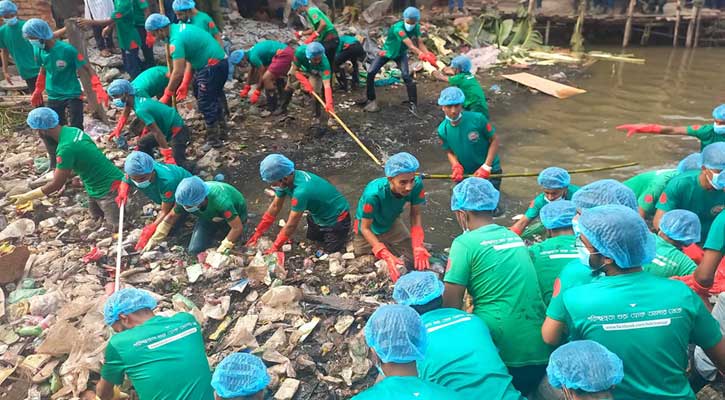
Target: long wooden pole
(628, 25)
(678, 17)
(698, 20)
(532, 4)
(530, 174)
(169, 64)
(75, 37)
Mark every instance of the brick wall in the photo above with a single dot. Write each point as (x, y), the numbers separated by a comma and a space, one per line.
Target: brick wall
(35, 9)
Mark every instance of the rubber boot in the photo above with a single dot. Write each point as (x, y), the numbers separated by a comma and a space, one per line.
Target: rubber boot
(223, 130)
(412, 90)
(272, 100)
(372, 106)
(342, 79)
(286, 97)
(212, 136)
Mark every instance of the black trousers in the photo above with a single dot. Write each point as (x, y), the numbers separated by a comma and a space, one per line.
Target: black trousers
(333, 238)
(74, 107)
(355, 54)
(178, 145)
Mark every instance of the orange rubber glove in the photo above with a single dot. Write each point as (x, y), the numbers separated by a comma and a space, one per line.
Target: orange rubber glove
(168, 155)
(329, 105)
(264, 225)
(36, 99)
(703, 292)
(122, 195)
(640, 128)
(483, 172)
(150, 40)
(97, 88)
(695, 252)
(245, 91)
(183, 90)
(254, 98)
(306, 85)
(298, 35)
(146, 234)
(278, 243)
(516, 230)
(382, 253)
(420, 254)
(312, 37)
(119, 127)
(166, 98)
(456, 172)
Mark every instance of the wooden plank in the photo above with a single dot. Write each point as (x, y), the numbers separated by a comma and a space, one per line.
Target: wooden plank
(551, 88)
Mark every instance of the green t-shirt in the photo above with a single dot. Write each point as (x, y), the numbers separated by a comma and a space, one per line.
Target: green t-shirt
(262, 53)
(304, 65)
(469, 140)
(123, 17)
(224, 203)
(204, 21)
(648, 187)
(194, 44)
(139, 17)
(685, 192)
(61, 63)
(706, 134)
(494, 265)
(346, 41)
(646, 320)
(314, 17)
(669, 261)
(163, 188)
(76, 151)
(407, 388)
(11, 39)
(549, 258)
(572, 275)
(540, 201)
(475, 98)
(462, 357)
(394, 47)
(311, 193)
(153, 111)
(716, 237)
(151, 82)
(153, 352)
(380, 204)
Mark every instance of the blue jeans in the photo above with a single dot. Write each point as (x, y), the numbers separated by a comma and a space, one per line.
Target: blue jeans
(131, 62)
(378, 63)
(452, 3)
(209, 91)
(205, 233)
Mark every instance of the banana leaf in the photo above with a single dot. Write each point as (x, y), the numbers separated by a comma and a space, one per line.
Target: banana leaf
(504, 30)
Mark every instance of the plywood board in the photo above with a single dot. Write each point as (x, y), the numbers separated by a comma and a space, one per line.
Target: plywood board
(551, 88)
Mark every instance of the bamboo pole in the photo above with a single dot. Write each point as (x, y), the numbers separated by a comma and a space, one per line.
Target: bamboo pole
(169, 64)
(698, 20)
(532, 7)
(678, 17)
(628, 25)
(577, 40)
(690, 33)
(547, 32)
(530, 174)
(75, 37)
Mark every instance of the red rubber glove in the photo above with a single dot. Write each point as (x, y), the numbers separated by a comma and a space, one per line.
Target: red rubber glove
(264, 225)
(183, 90)
(150, 40)
(382, 253)
(640, 128)
(483, 172)
(298, 35)
(329, 105)
(166, 98)
(36, 99)
(168, 156)
(146, 234)
(695, 252)
(306, 85)
(312, 37)
(122, 195)
(701, 291)
(420, 254)
(516, 230)
(245, 91)
(92, 256)
(144, 131)
(101, 94)
(119, 127)
(456, 172)
(254, 98)
(433, 60)
(278, 243)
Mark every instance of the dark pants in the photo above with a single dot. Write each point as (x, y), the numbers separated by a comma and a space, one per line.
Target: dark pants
(209, 89)
(31, 84)
(50, 147)
(148, 52)
(496, 182)
(452, 3)
(248, 8)
(378, 63)
(330, 46)
(205, 233)
(355, 54)
(333, 238)
(103, 43)
(74, 108)
(131, 62)
(178, 145)
(526, 379)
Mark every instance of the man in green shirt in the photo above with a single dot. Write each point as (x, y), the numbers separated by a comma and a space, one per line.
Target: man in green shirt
(187, 14)
(13, 43)
(378, 224)
(163, 357)
(632, 312)
(164, 124)
(648, 186)
(470, 141)
(556, 185)
(706, 134)
(349, 50)
(463, 79)
(584, 370)
(240, 376)
(312, 70)
(461, 355)
(678, 229)
(328, 218)
(493, 265)
(76, 153)
(398, 341)
(151, 82)
(321, 28)
(553, 254)
(218, 207)
(270, 62)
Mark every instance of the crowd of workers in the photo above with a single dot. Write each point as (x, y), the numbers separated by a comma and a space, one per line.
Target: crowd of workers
(604, 307)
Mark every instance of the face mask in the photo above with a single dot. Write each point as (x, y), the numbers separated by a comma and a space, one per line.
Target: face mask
(714, 181)
(585, 256)
(575, 226)
(719, 129)
(409, 27)
(546, 199)
(458, 118)
(461, 218)
(141, 185)
(119, 103)
(11, 21)
(191, 209)
(37, 43)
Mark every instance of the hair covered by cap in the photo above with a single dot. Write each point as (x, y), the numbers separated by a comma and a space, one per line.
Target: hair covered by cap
(690, 163)
(191, 191)
(461, 63)
(183, 5)
(397, 334)
(126, 301)
(401, 163)
(474, 194)
(314, 49)
(239, 374)
(417, 288)
(275, 167)
(554, 178)
(138, 163)
(37, 28)
(584, 365)
(120, 87)
(557, 214)
(713, 156)
(681, 225)
(411, 13)
(42, 118)
(719, 113)
(8, 7)
(236, 57)
(451, 96)
(299, 3)
(156, 21)
(603, 192)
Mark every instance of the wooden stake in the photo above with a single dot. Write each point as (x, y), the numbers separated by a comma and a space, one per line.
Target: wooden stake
(577, 38)
(678, 16)
(690, 32)
(75, 37)
(546, 32)
(628, 25)
(698, 20)
(169, 64)
(532, 7)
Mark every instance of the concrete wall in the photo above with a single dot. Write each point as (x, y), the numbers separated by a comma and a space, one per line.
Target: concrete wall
(35, 9)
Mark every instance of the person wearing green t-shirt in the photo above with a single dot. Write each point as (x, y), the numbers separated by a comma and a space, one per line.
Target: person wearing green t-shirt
(312, 70)
(149, 349)
(218, 206)
(648, 187)
(187, 13)
(583, 370)
(328, 218)
(470, 141)
(378, 222)
(463, 79)
(240, 376)
(151, 82)
(556, 185)
(402, 36)
(461, 355)
(350, 49)
(678, 229)
(632, 312)
(321, 28)
(706, 134)
(493, 265)
(76, 154)
(13, 44)
(269, 62)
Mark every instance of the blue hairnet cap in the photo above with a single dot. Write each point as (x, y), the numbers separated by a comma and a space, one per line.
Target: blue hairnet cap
(713, 156)
(417, 288)
(314, 49)
(42, 118)
(474, 194)
(401, 163)
(411, 13)
(156, 21)
(239, 374)
(461, 63)
(37, 28)
(299, 3)
(236, 57)
(126, 301)
(584, 365)
(451, 96)
(138, 163)
(690, 163)
(183, 5)
(619, 233)
(603, 192)
(719, 112)
(554, 178)
(8, 7)
(557, 214)
(397, 334)
(191, 191)
(120, 87)
(275, 167)
(681, 225)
